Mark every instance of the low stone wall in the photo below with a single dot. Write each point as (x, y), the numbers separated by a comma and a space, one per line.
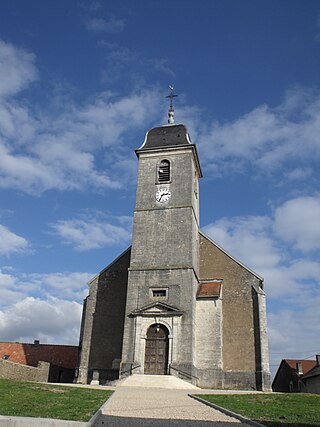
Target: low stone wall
(15, 371)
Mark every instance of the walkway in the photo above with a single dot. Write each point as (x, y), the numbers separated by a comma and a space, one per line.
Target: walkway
(151, 401)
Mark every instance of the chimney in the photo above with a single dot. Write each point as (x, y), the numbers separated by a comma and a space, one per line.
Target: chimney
(318, 359)
(36, 343)
(299, 368)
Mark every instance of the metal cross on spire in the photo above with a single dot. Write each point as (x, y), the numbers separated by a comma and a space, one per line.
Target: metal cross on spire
(171, 109)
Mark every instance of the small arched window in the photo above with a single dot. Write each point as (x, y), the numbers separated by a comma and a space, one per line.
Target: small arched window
(164, 171)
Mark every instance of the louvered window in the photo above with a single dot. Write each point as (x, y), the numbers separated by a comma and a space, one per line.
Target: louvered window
(160, 293)
(164, 171)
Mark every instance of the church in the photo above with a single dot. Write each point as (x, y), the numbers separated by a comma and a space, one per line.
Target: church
(175, 302)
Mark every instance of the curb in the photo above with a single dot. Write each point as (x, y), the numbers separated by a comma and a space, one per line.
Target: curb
(95, 418)
(227, 412)
(11, 421)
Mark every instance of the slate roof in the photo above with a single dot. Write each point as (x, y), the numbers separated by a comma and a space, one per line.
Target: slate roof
(65, 356)
(166, 136)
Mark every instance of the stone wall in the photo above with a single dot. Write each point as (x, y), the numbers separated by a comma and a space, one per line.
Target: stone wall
(208, 340)
(244, 343)
(103, 321)
(15, 371)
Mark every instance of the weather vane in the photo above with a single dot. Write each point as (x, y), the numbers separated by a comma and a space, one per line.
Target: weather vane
(171, 109)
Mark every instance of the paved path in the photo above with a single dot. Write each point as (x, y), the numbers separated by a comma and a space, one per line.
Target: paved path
(141, 406)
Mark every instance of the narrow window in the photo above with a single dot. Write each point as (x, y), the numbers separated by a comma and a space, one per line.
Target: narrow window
(164, 171)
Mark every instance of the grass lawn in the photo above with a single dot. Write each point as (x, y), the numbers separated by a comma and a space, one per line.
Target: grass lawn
(26, 399)
(273, 410)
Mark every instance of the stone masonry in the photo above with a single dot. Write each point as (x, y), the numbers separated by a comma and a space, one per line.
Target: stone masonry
(209, 307)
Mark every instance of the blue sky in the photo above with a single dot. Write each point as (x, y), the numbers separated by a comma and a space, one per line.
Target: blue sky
(80, 84)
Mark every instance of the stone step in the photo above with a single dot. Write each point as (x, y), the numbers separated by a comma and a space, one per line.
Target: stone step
(156, 381)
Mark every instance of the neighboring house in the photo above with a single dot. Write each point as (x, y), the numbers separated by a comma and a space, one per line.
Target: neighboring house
(290, 374)
(63, 359)
(312, 378)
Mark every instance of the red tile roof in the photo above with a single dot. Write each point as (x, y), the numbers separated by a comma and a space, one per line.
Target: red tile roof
(209, 290)
(306, 365)
(30, 354)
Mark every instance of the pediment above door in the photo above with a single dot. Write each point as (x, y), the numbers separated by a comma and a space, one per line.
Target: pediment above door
(158, 309)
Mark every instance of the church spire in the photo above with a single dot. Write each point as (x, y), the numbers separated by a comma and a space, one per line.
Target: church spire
(171, 109)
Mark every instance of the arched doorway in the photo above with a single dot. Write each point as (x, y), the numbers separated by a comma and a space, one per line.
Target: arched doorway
(157, 348)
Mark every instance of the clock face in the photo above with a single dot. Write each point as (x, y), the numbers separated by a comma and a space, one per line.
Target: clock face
(163, 195)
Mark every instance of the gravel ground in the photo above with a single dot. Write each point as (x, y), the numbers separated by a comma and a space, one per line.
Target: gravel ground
(155, 407)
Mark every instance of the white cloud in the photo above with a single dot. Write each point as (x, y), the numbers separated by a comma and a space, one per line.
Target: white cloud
(257, 242)
(42, 306)
(68, 285)
(270, 139)
(24, 172)
(11, 242)
(298, 221)
(17, 69)
(62, 150)
(16, 123)
(293, 333)
(248, 239)
(9, 289)
(92, 233)
(298, 174)
(53, 320)
(110, 25)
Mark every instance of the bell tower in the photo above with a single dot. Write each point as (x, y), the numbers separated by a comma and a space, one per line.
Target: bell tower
(175, 302)
(163, 272)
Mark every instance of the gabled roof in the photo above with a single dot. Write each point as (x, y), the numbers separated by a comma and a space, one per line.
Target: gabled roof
(231, 256)
(306, 365)
(157, 309)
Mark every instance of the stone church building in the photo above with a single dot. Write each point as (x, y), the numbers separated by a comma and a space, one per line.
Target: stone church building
(175, 302)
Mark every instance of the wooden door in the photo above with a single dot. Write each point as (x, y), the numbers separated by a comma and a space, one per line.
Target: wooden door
(156, 354)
